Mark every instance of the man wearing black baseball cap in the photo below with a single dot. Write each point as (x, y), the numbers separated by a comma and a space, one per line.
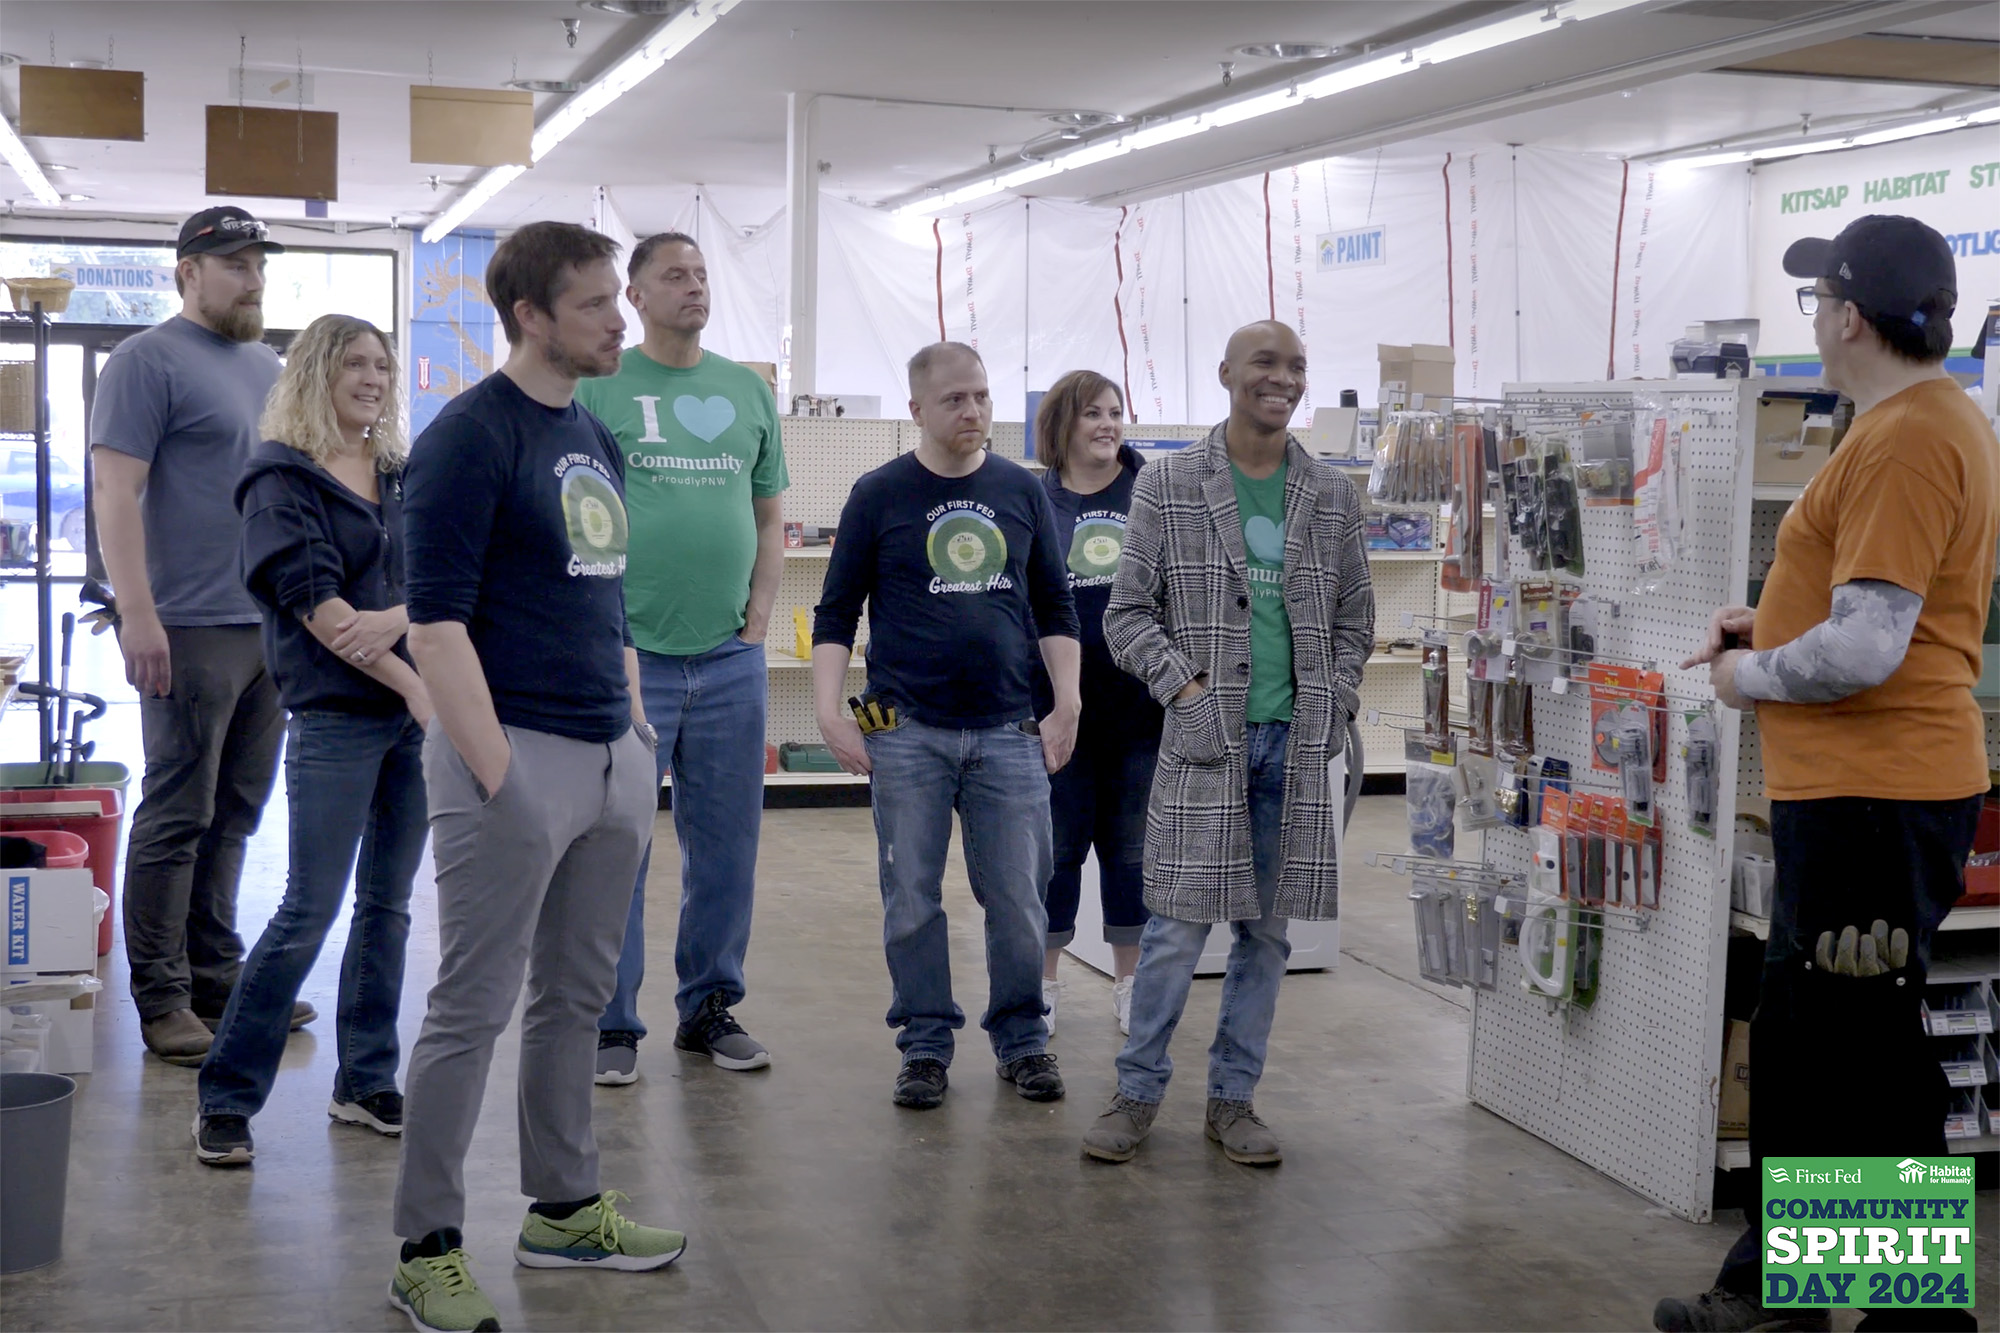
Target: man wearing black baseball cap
(176, 416)
(1861, 662)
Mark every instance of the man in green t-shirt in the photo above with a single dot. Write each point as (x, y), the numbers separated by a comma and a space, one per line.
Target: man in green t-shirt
(704, 468)
(1243, 602)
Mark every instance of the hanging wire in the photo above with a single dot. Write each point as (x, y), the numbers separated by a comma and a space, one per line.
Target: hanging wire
(1371, 186)
(110, 52)
(242, 57)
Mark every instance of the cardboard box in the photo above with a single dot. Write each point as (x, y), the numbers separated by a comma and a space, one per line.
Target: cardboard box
(1732, 1116)
(1790, 449)
(1420, 368)
(51, 924)
(768, 370)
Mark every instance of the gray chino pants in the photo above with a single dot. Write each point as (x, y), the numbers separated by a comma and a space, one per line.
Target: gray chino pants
(536, 879)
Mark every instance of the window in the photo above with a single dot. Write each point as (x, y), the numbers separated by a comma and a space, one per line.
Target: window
(134, 284)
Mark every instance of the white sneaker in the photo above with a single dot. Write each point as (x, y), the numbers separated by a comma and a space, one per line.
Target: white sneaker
(1121, 1004)
(1052, 990)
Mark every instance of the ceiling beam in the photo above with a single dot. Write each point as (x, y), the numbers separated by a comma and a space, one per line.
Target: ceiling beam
(1833, 22)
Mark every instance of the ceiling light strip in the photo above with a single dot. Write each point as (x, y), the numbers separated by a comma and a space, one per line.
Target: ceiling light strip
(1858, 139)
(660, 46)
(25, 166)
(1356, 74)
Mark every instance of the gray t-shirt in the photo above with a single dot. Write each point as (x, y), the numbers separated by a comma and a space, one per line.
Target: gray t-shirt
(186, 401)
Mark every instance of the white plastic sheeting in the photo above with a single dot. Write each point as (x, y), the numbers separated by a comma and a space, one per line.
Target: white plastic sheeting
(1516, 257)
(747, 271)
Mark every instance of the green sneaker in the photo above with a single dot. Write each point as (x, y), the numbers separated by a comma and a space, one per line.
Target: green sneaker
(440, 1293)
(597, 1237)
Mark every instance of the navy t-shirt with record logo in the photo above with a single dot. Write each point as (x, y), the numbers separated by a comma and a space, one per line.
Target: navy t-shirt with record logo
(514, 522)
(1091, 528)
(957, 574)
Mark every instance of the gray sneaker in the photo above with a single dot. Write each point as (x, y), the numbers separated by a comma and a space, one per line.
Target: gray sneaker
(1719, 1311)
(617, 1059)
(715, 1033)
(1116, 1135)
(1244, 1138)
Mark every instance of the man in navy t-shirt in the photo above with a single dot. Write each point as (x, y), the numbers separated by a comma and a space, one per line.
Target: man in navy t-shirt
(956, 555)
(540, 771)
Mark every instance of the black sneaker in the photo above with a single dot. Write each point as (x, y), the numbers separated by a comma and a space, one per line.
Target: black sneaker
(920, 1084)
(223, 1140)
(617, 1058)
(380, 1111)
(715, 1033)
(1719, 1311)
(1034, 1077)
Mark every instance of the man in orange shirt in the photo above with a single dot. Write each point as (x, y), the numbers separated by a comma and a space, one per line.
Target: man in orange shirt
(1862, 661)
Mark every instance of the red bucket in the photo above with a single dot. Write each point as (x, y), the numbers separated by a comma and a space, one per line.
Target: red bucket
(90, 814)
(66, 850)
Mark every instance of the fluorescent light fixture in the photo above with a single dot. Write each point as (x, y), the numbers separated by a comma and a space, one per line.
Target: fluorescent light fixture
(1346, 78)
(24, 164)
(665, 42)
(1859, 139)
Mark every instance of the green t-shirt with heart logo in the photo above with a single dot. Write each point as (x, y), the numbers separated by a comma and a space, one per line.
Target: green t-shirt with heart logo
(699, 444)
(1260, 507)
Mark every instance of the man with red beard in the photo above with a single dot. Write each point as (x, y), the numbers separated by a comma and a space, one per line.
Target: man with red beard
(175, 418)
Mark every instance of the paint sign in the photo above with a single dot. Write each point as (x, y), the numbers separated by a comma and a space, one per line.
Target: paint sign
(117, 277)
(1353, 249)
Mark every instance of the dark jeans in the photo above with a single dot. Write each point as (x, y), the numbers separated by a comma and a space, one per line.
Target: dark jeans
(352, 781)
(1850, 861)
(1099, 800)
(211, 755)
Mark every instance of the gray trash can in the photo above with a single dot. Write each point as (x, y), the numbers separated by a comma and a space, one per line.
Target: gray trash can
(34, 1168)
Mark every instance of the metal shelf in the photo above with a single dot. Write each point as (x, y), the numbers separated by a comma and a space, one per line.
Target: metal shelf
(808, 552)
(1960, 918)
(1780, 491)
(787, 662)
(784, 779)
(1431, 556)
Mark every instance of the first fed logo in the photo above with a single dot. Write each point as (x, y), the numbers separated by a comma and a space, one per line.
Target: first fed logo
(1868, 1231)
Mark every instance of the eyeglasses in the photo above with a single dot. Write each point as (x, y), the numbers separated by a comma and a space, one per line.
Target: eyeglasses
(1809, 299)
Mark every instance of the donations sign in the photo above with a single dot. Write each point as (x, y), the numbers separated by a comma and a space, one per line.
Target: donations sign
(1868, 1232)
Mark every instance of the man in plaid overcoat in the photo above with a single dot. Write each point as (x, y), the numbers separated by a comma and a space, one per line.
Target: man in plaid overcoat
(1243, 601)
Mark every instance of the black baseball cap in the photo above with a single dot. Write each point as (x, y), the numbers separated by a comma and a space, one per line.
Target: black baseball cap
(224, 231)
(1889, 266)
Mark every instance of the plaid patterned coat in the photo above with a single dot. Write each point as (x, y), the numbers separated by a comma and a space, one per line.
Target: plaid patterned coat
(1181, 605)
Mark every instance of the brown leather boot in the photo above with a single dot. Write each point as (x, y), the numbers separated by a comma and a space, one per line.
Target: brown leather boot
(177, 1037)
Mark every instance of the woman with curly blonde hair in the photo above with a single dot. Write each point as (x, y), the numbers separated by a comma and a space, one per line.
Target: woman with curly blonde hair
(322, 552)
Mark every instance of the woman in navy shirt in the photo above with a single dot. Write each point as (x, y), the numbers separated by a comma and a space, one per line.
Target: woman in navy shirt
(1099, 799)
(322, 552)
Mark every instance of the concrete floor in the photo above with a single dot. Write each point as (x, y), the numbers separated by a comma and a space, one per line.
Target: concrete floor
(811, 1202)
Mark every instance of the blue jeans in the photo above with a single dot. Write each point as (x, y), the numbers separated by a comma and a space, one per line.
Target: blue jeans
(709, 711)
(994, 778)
(1170, 949)
(352, 781)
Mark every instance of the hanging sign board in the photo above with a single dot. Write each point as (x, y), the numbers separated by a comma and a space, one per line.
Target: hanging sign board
(1353, 249)
(264, 151)
(62, 103)
(471, 127)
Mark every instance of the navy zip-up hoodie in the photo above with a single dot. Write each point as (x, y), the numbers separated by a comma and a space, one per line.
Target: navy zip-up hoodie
(306, 538)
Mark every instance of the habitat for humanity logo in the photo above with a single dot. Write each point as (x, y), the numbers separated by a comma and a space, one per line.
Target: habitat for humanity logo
(1868, 1231)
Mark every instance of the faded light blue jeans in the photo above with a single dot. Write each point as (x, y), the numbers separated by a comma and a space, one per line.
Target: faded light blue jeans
(1169, 950)
(709, 710)
(994, 778)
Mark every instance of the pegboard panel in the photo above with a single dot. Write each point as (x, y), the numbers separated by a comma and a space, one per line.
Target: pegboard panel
(1629, 1086)
(791, 715)
(826, 456)
(1765, 516)
(1749, 760)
